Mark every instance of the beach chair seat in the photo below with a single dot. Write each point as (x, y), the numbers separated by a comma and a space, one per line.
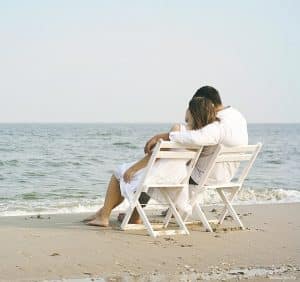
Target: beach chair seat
(245, 157)
(171, 151)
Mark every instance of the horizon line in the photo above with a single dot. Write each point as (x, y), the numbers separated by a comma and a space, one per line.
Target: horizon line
(118, 122)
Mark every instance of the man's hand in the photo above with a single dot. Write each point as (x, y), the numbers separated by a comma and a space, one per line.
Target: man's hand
(151, 144)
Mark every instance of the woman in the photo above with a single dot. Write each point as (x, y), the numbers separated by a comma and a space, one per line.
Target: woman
(124, 181)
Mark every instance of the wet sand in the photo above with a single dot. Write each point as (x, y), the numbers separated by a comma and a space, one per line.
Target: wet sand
(60, 246)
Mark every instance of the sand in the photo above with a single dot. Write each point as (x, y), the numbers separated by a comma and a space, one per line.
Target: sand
(59, 246)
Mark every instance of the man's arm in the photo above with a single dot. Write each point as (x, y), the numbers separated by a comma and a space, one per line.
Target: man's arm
(210, 134)
(152, 142)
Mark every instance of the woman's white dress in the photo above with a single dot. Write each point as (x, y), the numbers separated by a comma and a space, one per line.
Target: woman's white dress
(164, 171)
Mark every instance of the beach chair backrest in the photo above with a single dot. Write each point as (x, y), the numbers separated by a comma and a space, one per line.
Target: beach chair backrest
(239, 154)
(171, 150)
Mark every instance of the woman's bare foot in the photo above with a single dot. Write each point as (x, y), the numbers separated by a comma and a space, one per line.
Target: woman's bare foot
(99, 219)
(89, 218)
(99, 222)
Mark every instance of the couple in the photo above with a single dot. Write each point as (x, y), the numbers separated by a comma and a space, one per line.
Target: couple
(207, 122)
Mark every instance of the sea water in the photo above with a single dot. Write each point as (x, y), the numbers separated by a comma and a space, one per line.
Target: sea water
(65, 168)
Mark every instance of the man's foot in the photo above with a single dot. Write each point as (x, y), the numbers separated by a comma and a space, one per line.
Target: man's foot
(164, 213)
(89, 218)
(121, 216)
(132, 220)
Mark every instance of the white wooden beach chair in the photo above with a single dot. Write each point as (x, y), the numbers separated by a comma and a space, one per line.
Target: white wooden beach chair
(163, 150)
(245, 157)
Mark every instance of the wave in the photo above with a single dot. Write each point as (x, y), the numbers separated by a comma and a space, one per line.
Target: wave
(274, 162)
(9, 163)
(125, 145)
(26, 206)
(256, 196)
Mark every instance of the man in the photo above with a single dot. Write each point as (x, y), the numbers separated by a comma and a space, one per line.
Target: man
(231, 130)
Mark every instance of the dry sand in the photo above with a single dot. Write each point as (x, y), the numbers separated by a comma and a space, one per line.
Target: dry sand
(59, 246)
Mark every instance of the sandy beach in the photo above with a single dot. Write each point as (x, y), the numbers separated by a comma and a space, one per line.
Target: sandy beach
(37, 248)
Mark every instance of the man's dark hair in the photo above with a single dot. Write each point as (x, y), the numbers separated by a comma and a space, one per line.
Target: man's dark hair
(210, 93)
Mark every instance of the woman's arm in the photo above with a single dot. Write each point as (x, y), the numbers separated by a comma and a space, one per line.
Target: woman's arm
(136, 167)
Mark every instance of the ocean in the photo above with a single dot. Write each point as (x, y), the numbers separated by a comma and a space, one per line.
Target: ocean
(65, 168)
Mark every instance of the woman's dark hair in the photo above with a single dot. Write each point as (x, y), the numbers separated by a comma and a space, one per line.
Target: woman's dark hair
(202, 111)
(209, 93)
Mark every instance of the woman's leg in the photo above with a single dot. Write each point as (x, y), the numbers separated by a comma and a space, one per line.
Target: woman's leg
(113, 198)
(135, 218)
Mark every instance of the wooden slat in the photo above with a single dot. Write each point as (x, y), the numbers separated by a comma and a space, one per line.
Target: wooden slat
(165, 185)
(233, 158)
(194, 222)
(239, 149)
(223, 185)
(176, 155)
(175, 145)
(170, 232)
(156, 232)
(141, 226)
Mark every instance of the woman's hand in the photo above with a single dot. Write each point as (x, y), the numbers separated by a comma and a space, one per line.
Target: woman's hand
(128, 175)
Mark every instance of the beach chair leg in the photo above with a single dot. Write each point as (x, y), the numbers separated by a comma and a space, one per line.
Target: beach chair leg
(169, 214)
(175, 213)
(203, 218)
(185, 217)
(233, 192)
(167, 218)
(230, 208)
(145, 220)
(127, 217)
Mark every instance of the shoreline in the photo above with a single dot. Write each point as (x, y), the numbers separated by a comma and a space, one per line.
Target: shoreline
(58, 246)
(292, 197)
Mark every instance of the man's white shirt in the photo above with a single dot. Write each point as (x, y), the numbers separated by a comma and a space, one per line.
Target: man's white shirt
(230, 131)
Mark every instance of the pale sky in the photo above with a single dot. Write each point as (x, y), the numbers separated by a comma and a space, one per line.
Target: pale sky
(141, 61)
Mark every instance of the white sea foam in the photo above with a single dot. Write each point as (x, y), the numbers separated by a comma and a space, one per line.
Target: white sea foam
(246, 197)
(256, 196)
